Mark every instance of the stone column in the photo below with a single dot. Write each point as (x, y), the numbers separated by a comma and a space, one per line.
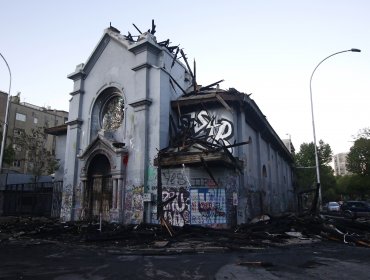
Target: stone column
(120, 194)
(71, 165)
(117, 209)
(82, 212)
(147, 55)
(114, 195)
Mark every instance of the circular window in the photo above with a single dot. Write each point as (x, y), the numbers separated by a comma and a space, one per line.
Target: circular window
(112, 113)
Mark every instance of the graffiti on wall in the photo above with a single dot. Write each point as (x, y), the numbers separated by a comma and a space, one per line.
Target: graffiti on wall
(205, 182)
(177, 210)
(196, 200)
(208, 206)
(214, 128)
(177, 178)
(137, 204)
(134, 204)
(67, 196)
(197, 206)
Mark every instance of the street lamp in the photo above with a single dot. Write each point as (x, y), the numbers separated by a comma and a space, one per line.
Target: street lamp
(5, 127)
(313, 125)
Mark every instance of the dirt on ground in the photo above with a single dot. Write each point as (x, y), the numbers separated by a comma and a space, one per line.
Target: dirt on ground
(262, 231)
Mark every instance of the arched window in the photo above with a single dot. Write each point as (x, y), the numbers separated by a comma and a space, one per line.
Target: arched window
(112, 113)
(108, 112)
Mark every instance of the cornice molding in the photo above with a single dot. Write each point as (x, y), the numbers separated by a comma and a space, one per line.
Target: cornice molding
(145, 46)
(96, 54)
(142, 66)
(75, 122)
(79, 91)
(141, 103)
(77, 75)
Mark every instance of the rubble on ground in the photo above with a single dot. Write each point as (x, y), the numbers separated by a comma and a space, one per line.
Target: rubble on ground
(264, 231)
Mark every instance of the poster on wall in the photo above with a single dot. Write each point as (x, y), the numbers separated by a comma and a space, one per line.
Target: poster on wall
(208, 206)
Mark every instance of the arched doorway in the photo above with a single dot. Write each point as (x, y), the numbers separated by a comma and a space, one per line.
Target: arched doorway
(98, 194)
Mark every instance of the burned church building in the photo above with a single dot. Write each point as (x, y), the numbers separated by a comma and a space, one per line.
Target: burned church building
(146, 143)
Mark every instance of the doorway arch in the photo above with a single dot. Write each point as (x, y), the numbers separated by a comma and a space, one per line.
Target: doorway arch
(98, 195)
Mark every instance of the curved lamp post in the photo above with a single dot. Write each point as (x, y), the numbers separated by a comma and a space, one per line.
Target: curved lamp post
(5, 127)
(313, 125)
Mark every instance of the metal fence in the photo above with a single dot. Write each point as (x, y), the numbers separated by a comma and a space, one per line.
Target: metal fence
(32, 199)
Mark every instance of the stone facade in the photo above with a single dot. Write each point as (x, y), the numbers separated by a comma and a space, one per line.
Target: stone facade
(131, 102)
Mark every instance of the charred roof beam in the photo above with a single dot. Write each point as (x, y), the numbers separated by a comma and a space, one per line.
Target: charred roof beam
(208, 170)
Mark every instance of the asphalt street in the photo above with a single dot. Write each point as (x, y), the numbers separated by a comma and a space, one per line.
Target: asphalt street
(42, 259)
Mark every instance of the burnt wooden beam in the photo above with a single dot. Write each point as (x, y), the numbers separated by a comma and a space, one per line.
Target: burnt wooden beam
(175, 56)
(137, 28)
(183, 91)
(208, 170)
(164, 43)
(179, 158)
(187, 64)
(164, 203)
(171, 49)
(232, 159)
(227, 107)
(129, 37)
(238, 144)
(190, 99)
(153, 28)
(195, 77)
(172, 85)
(174, 80)
(211, 85)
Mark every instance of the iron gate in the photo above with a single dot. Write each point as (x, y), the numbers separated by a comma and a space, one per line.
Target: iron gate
(33, 199)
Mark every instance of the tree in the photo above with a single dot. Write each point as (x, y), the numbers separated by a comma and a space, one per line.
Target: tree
(40, 160)
(343, 185)
(9, 154)
(358, 158)
(363, 133)
(358, 163)
(305, 167)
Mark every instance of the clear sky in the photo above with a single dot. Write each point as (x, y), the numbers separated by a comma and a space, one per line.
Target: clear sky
(267, 47)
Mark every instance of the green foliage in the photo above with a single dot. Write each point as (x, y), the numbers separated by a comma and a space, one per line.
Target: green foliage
(9, 155)
(360, 187)
(41, 161)
(328, 183)
(353, 186)
(358, 158)
(343, 184)
(325, 153)
(305, 163)
(357, 185)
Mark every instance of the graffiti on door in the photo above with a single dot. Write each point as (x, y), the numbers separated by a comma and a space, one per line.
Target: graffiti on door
(176, 210)
(208, 206)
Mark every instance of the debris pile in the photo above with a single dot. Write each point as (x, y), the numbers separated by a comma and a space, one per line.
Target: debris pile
(263, 231)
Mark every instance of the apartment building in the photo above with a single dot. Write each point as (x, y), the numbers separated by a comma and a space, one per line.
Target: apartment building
(340, 161)
(24, 117)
